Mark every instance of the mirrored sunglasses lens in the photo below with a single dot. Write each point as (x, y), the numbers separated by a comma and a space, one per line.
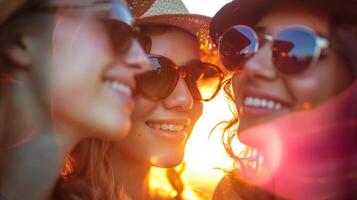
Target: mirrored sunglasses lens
(237, 45)
(204, 81)
(159, 82)
(294, 50)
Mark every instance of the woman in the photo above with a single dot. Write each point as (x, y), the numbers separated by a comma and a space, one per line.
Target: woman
(291, 57)
(168, 103)
(67, 73)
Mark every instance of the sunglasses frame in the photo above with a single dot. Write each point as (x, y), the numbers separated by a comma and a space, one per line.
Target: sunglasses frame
(181, 72)
(320, 43)
(118, 13)
(124, 44)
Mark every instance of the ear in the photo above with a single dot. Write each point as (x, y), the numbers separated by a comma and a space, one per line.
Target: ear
(17, 52)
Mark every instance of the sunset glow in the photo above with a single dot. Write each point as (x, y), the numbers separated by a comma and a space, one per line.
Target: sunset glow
(205, 158)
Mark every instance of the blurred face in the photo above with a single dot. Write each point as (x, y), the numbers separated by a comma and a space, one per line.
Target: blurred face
(275, 94)
(89, 82)
(161, 128)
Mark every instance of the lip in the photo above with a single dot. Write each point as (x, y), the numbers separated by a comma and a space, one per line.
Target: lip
(122, 79)
(169, 136)
(260, 111)
(128, 81)
(182, 121)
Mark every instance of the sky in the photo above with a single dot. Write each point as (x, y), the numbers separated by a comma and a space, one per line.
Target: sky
(205, 7)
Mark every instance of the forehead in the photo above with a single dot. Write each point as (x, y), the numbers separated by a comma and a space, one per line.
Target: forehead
(295, 14)
(175, 44)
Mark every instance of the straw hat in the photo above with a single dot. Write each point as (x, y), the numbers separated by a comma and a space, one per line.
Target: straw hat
(139, 7)
(9, 7)
(174, 13)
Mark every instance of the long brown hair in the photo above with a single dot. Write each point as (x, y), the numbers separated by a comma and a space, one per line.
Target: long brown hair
(89, 169)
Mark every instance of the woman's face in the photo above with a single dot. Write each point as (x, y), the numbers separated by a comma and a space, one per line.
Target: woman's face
(161, 128)
(260, 81)
(89, 83)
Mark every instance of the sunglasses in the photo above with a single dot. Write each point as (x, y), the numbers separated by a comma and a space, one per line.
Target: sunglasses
(118, 25)
(121, 34)
(293, 50)
(203, 79)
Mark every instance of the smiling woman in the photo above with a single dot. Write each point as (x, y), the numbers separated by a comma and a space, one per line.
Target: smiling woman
(55, 51)
(168, 103)
(291, 95)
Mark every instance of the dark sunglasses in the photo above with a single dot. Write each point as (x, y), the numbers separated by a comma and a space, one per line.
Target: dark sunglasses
(121, 35)
(119, 23)
(203, 79)
(120, 27)
(294, 49)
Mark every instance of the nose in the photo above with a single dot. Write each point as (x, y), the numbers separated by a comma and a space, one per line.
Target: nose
(180, 99)
(260, 66)
(136, 59)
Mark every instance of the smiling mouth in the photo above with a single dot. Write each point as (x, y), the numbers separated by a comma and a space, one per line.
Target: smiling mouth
(263, 103)
(119, 87)
(166, 127)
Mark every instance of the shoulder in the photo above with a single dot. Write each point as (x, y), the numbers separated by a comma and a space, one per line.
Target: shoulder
(226, 189)
(232, 187)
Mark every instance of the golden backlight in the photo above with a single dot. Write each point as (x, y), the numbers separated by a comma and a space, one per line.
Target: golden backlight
(205, 157)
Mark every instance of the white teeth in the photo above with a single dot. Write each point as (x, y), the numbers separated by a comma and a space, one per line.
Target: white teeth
(164, 127)
(256, 101)
(263, 103)
(167, 127)
(120, 87)
(277, 106)
(270, 104)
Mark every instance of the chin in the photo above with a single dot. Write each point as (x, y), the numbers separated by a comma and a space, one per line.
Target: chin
(115, 129)
(168, 161)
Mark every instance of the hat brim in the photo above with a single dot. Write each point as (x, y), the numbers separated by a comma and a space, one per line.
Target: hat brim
(139, 7)
(197, 25)
(238, 12)
(248, 12)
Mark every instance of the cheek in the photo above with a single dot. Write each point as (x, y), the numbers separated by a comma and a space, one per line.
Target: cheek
(80, 47)
(317, 86)
(237, 84)
(80, 54)
(197, 110)
(304, 92)
(143, 108)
